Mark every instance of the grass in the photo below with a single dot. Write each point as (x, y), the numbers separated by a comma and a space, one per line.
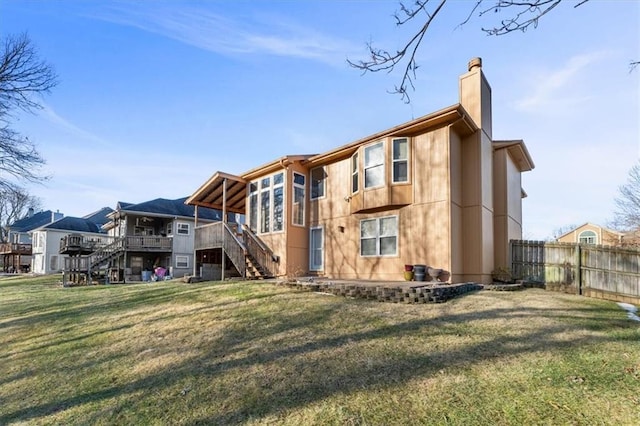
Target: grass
(255, 353)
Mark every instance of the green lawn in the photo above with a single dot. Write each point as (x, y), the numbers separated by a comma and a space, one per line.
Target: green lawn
(255, 353)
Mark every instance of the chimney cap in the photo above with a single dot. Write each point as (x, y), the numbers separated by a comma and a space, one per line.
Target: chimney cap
(475, 63)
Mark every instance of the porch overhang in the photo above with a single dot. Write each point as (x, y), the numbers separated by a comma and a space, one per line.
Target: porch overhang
(212, 193)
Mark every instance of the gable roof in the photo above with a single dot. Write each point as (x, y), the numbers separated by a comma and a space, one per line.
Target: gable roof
(169, 208)
(99, 217)
(75, 224)
(36, 220)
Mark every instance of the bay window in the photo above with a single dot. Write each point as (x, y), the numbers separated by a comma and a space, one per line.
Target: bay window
(374, 165)
(317, 182)
(400, 158)
(354, 173)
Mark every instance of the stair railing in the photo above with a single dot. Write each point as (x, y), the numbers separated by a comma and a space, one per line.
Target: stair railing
(260, 252)
(234, 249)
(103, 253)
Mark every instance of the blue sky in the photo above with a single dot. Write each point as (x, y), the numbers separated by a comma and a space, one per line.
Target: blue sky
(154, 97)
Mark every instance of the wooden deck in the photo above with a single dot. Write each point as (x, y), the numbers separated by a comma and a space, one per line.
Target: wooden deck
(16, 248)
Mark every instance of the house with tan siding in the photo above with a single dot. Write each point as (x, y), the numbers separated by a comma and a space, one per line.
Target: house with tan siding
(437, 190)
(590, 233)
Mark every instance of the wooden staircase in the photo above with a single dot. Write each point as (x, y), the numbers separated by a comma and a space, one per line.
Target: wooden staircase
(106, 253)
(249, 255)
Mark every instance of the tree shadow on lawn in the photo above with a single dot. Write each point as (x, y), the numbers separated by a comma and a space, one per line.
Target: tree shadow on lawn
(108, 300)
(279, 378)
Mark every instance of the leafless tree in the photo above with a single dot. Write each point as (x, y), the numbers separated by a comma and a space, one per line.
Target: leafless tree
(558, 232)
(627, 214)
(14, 204)
(522, 15)
(23, 77)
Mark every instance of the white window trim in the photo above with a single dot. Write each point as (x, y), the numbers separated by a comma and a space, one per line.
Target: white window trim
(255, 192)
(594, 237)
(378, 219)
(180, 225)
(364, 166)
(275, 186)
(186, 261)
(268, 191)
(271, 189)
(406, 160)
(324, 183)
(304, 199)
(321, 268)
(355, 160)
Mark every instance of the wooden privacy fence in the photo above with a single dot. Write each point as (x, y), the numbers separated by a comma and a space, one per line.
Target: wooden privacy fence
(590, 270)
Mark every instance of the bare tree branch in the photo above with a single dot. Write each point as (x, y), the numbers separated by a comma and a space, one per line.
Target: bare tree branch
(382, 60)
(524, 15)
(14, 204)
(627, 214)
(23, 76)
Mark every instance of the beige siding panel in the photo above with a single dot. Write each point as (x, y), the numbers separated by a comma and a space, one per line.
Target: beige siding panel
(514, 191)
(471, 170)
(500, 232)
(431, 166)
(500, 182)
(486, 172)
(455, 167)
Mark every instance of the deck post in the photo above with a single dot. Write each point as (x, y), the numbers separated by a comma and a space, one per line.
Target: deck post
(224, 221)
(195, 250)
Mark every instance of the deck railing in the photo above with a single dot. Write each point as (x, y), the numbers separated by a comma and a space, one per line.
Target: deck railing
(209, 236)
(235, 249)
(148, 243)
(15, 248)
(81, 243)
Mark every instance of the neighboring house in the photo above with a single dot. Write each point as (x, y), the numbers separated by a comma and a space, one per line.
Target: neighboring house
(47, 240)
(437, 190)
(17, 251)
(143, 236)
(590, 233)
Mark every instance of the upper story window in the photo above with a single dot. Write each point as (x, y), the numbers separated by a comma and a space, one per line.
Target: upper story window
(379, 236)
(318, 176)
(253, 206)
(169, 229)
(266, 204)
(374, 165)
(38, 240)
(400, 158)
(183, 228)
(278, 202)
(354, 173)
(588, 237)
(297, 212)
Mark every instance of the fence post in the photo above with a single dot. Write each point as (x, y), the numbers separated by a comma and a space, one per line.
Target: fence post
(579, 268)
